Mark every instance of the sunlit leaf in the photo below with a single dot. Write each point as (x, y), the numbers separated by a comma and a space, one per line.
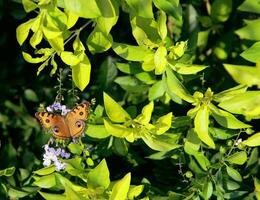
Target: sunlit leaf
(130, 52)
(114, 111)
(221, 10)
(99, 176)
(238, 158)
(22, 31)
(135, 191)
(46, 181)
(252, 53)
(97, 131)
(207, 189)
(162, 27)
(145, 117)
(81, 73)
(160, 60)
(201, 123)
(163, 123)
(252, 6)
(250, 31)
(121, 187)
(141, 8)
(247, 75)
(45, 171)
(117, 130)
(85, 9)
(253, 140)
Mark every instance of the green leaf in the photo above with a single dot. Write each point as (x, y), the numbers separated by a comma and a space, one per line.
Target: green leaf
(201, 123)
(163, 123)
(252, 53)
(81, 73)
(156, 91)
(252, 6)
(130, 52)
(251, 31)
(129, 68)
(145, 117)
(164, 142)
(171, 7)
(72, 19)
(229, 93)
(47, 181)
(50, 196)
(131, 84)
(114, 111)
(22, 31)
(232, 185)
(117, 130)
(69, 58)
(97, 131)
(192, 143)
(71, 194)
(141, 8)
(30, 95)
(253, 159)
(221, 10)
(36, 38)
(222, 134)
(86, 9)
(121, 187)
(135, 191)
(185, 69)
(226, 119)
(98, 41)
(253, 140)
(160, 60)
(202, 160)
(120, 146)
(29, 5)
(162, 27)
(99, 176)
(45, 171)
(75, 148)
(14, 193)
(238, 158)
(146, 77)
(234, 174)
(7, 172)
(247, 75)
(247, 103)
(176, 87)
(207, 190)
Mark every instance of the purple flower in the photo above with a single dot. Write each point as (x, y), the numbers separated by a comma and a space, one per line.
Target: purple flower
(51, 156)
(57, 106)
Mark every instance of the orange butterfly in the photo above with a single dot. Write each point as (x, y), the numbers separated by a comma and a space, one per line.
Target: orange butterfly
(71, 125)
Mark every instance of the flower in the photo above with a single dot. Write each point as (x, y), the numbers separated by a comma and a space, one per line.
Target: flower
(52, 155)
(238, 141)
(57, 106)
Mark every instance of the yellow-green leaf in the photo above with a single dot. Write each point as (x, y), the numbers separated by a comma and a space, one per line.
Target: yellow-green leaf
(117, 130)
(121, 187)
(22, 31)
(69, 58)
(81, 73)
(145, 117)
(30, 59)
(160, 60)
(247, 75)
(163, 123)
(201, 125)
(253, 140)
(114, 111)
(135, 191)
(29, 5)
(162, 27)
(238, 158)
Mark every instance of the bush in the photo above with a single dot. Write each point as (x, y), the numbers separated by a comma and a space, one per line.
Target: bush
(155, 99)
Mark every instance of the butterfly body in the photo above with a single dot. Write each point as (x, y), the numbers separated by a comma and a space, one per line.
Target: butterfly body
(71, 125)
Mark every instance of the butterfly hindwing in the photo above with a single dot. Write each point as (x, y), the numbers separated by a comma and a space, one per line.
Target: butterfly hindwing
(55, 123)
(76, 118)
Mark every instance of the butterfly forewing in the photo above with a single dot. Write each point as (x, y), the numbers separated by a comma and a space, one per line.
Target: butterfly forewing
(54, 122)
(76, 118)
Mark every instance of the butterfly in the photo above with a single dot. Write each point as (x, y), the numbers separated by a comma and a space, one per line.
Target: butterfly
(71, 125)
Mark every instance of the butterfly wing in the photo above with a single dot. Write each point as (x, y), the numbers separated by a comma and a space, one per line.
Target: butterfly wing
(54, 122)
(75, 119)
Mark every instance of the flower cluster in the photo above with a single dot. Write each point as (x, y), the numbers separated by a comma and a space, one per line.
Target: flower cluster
(51, 156)
(57, 106)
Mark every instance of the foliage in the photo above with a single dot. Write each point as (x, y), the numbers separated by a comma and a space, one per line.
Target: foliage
(176, 99)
